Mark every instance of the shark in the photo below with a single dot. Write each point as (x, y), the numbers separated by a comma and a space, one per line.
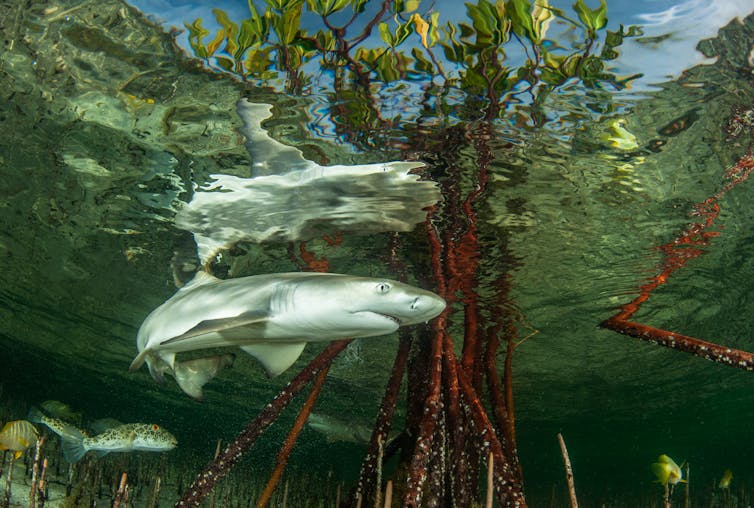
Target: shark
(271, 317)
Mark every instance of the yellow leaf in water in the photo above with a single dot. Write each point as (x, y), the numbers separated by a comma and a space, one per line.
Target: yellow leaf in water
(422, 27)
(212, 46)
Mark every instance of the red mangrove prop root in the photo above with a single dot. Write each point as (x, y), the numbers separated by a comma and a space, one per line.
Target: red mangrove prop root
(206, 480)
(676, 254)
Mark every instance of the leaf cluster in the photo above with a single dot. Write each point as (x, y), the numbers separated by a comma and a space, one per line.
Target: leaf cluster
(406, 43)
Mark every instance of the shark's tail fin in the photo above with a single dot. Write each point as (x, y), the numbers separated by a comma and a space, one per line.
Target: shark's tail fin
(192, 375)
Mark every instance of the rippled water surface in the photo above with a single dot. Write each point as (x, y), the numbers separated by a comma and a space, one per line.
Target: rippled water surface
(121, 156)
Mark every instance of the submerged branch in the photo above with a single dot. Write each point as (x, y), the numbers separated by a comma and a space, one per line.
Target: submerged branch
(206, 480)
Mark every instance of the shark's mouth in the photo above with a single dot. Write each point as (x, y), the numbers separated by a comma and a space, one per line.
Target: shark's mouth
(394, 319)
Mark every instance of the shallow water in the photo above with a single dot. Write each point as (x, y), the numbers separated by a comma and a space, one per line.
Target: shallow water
(109, 131)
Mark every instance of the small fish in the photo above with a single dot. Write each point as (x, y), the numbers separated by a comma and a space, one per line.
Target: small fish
(667, 471)
(617, 136)
(17, 436)
(726, 479)
(60, 410)
(126, 437)
(335, 429)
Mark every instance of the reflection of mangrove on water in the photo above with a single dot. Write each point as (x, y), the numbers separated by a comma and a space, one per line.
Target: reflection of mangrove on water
(448, 433)
(457, 445)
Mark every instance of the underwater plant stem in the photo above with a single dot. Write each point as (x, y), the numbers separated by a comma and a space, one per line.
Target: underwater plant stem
(121, 490)
(417, 472)
(206, 480)
(388, 494)
(490, 470)
(34, 472)
(8, 480)
(501, 397)
(707, 350)
(510, 433)
(155, 492)
(507, 485)
(367, 477)
(41, 496)
(461, 465)
(686, 487)
(676, 254)
(290, 440)
(569, 472)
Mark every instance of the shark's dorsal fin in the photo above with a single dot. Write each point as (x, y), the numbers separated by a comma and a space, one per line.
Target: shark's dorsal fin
(218, 325)
(275, 357)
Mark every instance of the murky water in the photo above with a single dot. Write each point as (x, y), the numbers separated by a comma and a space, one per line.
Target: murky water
(109, 132)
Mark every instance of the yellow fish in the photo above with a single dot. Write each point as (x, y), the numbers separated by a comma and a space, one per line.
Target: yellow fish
(17, 436)
(726, 479)
(667, 471)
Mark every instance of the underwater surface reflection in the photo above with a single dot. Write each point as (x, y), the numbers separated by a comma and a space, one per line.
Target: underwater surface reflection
(125, 167)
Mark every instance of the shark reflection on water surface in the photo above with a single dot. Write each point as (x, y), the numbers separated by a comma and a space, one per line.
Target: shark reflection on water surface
(271, 317)
(291, 198)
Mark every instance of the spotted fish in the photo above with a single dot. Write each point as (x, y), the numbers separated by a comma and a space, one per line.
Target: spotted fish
(127, 437)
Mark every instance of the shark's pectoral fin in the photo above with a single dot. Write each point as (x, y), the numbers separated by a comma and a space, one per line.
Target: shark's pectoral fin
(275, 357)
(221, 324)
(193, 374)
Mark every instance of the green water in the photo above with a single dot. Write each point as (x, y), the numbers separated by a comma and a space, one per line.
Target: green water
(106, 128)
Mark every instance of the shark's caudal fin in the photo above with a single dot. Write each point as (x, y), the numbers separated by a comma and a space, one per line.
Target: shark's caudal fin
(275, 357)
(193, 374)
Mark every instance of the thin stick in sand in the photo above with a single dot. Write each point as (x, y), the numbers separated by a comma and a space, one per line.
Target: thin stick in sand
(569, 472)
(490, 476)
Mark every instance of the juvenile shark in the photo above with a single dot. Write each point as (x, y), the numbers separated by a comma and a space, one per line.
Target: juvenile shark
(271, 317)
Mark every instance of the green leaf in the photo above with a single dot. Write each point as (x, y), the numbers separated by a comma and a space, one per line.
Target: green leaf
(230, 28)
(196, 33)
(405, 6)
(226, 63)
(326, 7)
(421, 63)
(358, 6)
(385, 33)
(593, 19)
(402, 31)
(434, 25)
(287, 22)
(519, 12)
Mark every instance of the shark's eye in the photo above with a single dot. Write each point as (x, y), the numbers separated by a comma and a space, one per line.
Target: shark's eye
(383, 287)
(155, 426)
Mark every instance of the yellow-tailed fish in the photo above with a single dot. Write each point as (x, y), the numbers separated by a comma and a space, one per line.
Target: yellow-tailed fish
(667, 471)
(726, 479)
(17, 436)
